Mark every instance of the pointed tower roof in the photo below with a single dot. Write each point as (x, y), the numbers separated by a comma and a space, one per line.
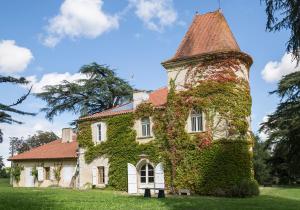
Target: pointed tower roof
(208, 33)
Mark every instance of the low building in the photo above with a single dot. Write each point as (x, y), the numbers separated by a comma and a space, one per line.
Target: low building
(41, 166)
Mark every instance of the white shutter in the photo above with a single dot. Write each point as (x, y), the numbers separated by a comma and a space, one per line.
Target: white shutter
(94, 175)
(94, 132)
(132, 179)
(103, 131)
(52, 177)
(159, 176)
(40, 174)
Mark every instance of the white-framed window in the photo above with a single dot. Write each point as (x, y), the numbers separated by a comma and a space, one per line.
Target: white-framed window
(147, 174)
(99, 132)
(196, 120)
(146, 129)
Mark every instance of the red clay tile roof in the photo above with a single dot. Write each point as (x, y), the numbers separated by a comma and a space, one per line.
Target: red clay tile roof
(208, 33)
(106, 113)
(159, 96)
(52, 150)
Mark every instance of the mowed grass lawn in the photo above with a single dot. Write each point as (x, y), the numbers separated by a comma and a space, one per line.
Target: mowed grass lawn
(50, 198)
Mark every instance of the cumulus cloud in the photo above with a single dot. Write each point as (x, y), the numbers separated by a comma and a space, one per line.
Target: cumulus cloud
(275, 70)
(156, 14)
(13, 58)
(79, 18)
(52, 79)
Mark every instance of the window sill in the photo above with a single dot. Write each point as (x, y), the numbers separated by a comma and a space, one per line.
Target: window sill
(195, 132)
(144, 137)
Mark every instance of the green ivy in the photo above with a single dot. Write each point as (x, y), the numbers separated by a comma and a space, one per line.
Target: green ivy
(120, 147)
(196, 162)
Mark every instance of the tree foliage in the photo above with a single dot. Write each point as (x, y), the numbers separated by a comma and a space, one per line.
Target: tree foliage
(283, 128)
(20, 145)
(260, 161)
(285, 14)
(1, 163)
(7, 110)
(101, 89)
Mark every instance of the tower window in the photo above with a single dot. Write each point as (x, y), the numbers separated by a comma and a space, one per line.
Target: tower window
(196, 121)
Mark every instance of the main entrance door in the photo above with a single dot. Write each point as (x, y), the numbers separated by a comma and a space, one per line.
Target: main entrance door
(29, 179)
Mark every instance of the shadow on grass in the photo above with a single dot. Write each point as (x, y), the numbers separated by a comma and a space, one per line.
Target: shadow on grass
(263, 202)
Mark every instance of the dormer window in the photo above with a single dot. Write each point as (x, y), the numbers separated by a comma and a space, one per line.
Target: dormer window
(145, 127)
(196, 121)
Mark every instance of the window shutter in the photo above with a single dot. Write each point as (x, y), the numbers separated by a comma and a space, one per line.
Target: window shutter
(159, 176)
(94, 132)
(103, 131)
(132, 179)
(40, 174)
(94, 175)
(52, 177)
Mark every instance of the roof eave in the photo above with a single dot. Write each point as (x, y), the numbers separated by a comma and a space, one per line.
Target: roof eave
(207, 56)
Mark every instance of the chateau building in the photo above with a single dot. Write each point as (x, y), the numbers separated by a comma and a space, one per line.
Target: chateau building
(206, 74)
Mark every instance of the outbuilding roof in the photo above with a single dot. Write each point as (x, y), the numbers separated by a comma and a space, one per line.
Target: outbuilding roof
(53, 150)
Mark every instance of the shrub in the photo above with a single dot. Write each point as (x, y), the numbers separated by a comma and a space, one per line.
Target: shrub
(245, 188)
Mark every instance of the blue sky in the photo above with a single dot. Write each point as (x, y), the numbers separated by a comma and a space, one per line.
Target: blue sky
(46, 39)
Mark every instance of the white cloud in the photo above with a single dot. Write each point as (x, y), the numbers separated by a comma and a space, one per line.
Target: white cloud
(275, 70)
(79, 18)
(156, 14)
(13, 58)
(52, 79)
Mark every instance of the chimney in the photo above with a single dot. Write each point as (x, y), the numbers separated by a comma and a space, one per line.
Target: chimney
(67, 135)
(140, 97)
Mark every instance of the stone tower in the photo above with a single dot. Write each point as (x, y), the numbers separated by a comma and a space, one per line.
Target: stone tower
(209, 86)
(208, 45)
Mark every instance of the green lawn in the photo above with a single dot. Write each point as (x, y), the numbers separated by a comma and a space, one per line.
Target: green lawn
(31, 199)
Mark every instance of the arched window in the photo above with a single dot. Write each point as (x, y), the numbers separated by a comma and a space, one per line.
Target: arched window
(145, 126)
(196, 120)
(147, 174)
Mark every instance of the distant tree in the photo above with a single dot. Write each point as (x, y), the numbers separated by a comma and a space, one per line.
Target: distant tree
(6, 110)
(1, 163)
(260, 157)
(285, 15)
(20, 145)
(4, 173)
(100, 90)
(283, 128)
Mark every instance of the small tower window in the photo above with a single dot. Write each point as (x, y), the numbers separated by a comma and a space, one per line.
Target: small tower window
(196, 121)
(145, 127)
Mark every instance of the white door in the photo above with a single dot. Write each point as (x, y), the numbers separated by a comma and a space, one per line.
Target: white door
(159, 176)
(29, 179)
(132, 179)
(68, 174)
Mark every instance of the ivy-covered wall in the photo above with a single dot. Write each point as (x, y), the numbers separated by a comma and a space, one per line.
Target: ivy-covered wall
(120, 147)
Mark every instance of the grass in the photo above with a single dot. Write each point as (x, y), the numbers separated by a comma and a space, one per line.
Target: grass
(51, 198)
